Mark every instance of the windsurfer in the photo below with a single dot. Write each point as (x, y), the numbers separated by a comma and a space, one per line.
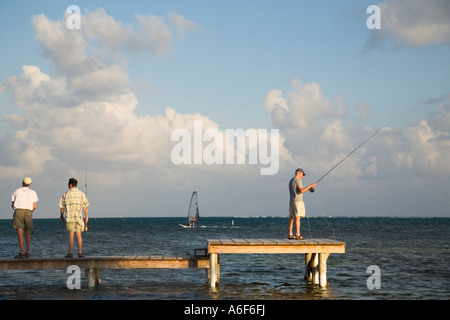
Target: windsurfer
(192, 222)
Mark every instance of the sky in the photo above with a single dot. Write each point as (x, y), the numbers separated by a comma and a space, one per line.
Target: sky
(122, 92)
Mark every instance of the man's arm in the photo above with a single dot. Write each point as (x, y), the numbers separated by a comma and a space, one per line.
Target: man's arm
(85, 209)
(303, 190)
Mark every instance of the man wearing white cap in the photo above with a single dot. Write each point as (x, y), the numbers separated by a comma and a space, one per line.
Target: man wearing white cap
(24, 203)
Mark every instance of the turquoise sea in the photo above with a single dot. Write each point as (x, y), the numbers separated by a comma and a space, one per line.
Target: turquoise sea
(412, 255)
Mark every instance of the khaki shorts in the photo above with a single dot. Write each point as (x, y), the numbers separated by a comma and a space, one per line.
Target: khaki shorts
(76, 226)
(23, 219)
(297, 209)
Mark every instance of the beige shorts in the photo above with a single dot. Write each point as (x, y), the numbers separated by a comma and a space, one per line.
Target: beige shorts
(297, 209)
(76, 226)
(23, 219)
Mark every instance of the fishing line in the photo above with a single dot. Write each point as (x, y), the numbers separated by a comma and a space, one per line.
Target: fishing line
(335, 166)
(34, 239)
(354, 150)
(323, 215)
(321, 209)
(309, 227)
(328, 186)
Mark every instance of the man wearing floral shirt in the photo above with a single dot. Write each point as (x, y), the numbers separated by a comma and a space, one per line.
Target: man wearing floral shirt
(74, 202)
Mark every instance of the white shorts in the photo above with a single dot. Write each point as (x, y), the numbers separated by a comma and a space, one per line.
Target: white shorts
(297, 209)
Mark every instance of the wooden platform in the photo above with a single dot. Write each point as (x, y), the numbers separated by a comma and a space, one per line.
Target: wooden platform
(93, 265)
(316, 253)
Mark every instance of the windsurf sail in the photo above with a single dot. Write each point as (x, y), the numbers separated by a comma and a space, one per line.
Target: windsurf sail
(193, 213)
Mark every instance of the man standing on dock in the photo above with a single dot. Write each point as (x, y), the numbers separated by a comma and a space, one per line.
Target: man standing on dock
(24, 203)
(74, 202)
(296, 204)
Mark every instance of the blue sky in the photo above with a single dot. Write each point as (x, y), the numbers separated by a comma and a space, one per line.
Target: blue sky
(308, 68)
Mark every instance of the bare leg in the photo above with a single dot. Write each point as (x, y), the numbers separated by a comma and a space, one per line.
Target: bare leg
(291, 222)
(20, 238)
(28, 239)
(297, 225)
(79, 242)
(70, 240)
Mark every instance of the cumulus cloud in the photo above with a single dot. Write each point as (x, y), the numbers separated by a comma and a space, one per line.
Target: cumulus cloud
(429, 142)
(182, 25)
(414, 22)
(311, 123)
(152, 34)
(105, 130)
(318, 135)
(86, 109)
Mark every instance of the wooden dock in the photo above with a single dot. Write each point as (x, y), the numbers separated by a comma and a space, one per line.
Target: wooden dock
(316, 254)
(93, 265)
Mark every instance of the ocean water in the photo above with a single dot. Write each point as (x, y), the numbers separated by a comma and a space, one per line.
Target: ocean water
(412, 255)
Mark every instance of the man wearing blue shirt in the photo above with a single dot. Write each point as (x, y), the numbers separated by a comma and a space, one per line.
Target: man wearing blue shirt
(296, 204)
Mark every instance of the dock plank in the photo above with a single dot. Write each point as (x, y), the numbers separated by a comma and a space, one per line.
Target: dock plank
(268, 242)
(254, 242)
(240, 241)
(227, 242)
(112, 262)
(275, 246)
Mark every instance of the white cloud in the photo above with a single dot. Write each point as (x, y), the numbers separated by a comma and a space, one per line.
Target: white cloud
(152, 34)
(364, 110)
(318, 135)
(87, 109)
(311, 123)
(303, 105)
(429, 142)
(107, 130)
(182, 25)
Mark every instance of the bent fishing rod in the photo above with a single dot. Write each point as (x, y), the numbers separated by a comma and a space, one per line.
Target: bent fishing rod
(312, 189)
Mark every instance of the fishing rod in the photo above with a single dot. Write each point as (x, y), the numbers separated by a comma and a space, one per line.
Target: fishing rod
(312, 189)
(85, 189)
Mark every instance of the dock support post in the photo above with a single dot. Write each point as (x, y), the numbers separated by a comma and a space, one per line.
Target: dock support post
(308, 277)
(214, 270)
(314, 265)
(93, 276)
(323, 269)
